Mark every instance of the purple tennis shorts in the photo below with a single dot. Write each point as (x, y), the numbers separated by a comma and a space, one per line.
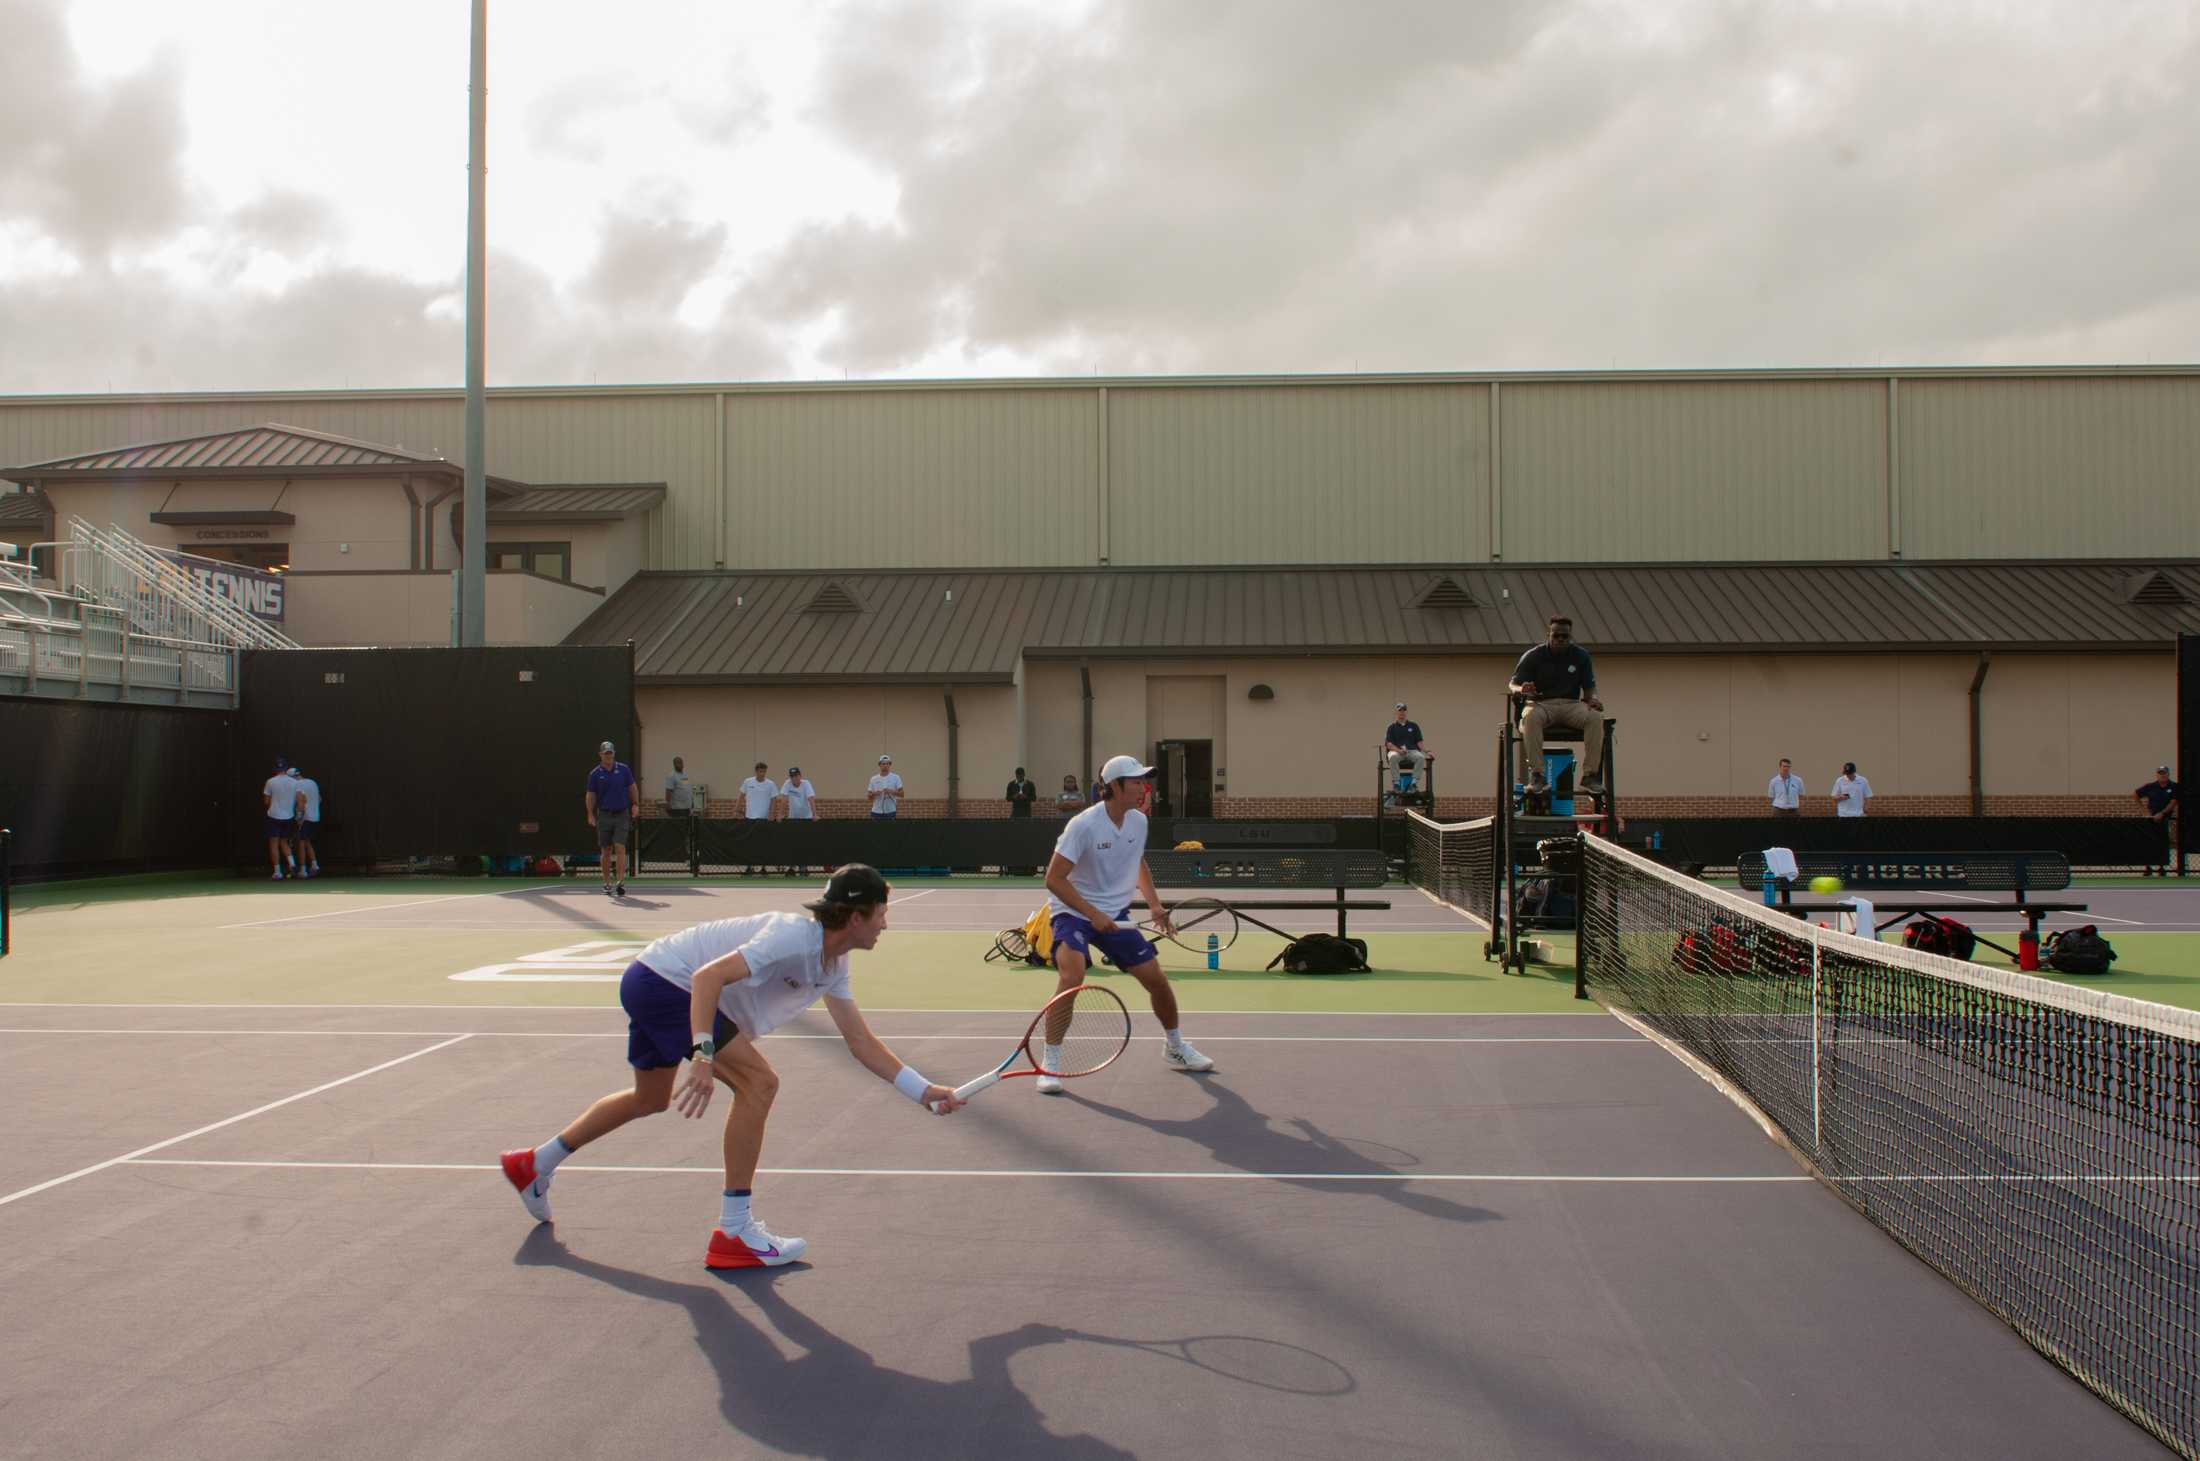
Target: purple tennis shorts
(1126, 948)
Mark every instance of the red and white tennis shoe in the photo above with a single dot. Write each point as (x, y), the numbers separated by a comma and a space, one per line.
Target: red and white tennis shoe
(756, 1247)
(534, 1195)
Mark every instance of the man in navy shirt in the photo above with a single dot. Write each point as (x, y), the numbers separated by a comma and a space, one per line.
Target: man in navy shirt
(611, 792)
(2161, 799)
(1402, 745)
(1561, 688)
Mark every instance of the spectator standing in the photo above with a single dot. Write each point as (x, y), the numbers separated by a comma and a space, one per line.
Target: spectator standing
(1850, 791)
(278, 813)
(610, 802)
(2163, 801)
(757, 793)
(1560, 684)
(1069, 801)
(1022, 792)
(1786, 791)
(309, 823)
(885, 789)
(800, 794)
(679, 791)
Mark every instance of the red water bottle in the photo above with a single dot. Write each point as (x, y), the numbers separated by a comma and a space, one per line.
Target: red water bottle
(2028, 950)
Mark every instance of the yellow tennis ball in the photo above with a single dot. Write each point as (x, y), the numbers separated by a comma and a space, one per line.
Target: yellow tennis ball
(1825, 886)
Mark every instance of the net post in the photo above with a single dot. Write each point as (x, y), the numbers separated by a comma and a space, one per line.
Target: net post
(1817, 970)
(1581, 919)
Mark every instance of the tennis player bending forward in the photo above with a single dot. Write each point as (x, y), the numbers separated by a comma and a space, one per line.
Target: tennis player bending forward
(1099, 861)
(731, 982)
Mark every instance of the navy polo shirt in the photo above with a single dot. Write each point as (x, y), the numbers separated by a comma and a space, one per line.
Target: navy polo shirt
(2159, 796)
(1404, 734)
(614, 788)
(1563, 675)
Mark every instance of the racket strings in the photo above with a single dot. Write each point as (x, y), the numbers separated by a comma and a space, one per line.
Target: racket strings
(1084, 1031)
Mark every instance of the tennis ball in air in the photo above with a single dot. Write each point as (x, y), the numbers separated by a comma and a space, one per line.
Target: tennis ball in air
(1825, 886)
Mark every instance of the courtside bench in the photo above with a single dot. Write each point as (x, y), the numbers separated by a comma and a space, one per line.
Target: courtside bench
(2019, 874)
(1221, 874)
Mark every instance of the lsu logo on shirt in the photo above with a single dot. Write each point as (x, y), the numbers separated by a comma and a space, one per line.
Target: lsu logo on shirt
(1102, 846)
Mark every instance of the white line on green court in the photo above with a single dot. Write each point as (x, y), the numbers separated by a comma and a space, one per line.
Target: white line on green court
(229, 1121)
(372, 908)
(961, 1172)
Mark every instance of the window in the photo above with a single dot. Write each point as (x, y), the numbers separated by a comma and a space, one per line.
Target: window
(272, 556)
(551, 560)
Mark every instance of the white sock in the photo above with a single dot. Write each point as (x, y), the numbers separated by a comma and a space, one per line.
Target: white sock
(1050, 1057)
(733, 1212)
(548, 1155)
(1176, 1039)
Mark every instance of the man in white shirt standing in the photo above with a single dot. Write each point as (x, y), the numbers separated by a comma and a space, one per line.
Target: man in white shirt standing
(1786, 791)
(1099, 862)
(1850, 792)
(885, 789)
(309, 822)
(757, 793)
(279, 814)
(711, 992)
(801, 796)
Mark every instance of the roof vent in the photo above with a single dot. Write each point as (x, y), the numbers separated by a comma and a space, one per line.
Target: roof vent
(833, 599)
(1445, 593)
(2155, 590)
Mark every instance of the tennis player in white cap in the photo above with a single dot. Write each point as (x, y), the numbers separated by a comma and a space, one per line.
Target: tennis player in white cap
(1099, 862)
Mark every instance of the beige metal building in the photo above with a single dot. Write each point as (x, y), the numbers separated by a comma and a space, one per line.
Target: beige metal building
(1879, 478)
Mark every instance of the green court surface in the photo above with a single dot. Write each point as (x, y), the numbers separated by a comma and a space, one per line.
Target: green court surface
(188, 940)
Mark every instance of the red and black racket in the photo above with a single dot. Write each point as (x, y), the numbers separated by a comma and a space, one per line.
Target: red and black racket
(1085, 1028)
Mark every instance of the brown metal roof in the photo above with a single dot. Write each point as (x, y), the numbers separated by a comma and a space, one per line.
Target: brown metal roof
(269, 450)
(969, 627)
(25, 508)
(589, 502)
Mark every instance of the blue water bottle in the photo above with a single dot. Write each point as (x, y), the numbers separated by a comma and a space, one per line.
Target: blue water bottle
(1772, 896)
(1214, 952)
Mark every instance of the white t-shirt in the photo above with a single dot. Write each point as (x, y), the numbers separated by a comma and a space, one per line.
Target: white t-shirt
(785, 954)
(282, 794)
(1849, 795)
(799, 794)
(883, 790)
(1786, 792)
(757, 797)
(1104, 858)
(311, 791)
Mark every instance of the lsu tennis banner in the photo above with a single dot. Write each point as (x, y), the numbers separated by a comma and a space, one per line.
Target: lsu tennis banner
(254, 590)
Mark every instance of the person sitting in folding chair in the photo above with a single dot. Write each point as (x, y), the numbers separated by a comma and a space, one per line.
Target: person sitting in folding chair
(1404, 754)
(1561, 689)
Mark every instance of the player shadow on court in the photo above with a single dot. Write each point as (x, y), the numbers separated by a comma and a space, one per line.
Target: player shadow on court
(1240, 1136)
(576, 910)
(833, 1399)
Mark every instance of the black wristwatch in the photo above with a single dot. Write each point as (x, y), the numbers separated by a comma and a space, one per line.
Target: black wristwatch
(706, 1047)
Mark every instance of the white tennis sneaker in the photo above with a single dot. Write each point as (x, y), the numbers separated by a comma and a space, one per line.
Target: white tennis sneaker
(755, 1246)
(1050, 1061)
(1181, 1056)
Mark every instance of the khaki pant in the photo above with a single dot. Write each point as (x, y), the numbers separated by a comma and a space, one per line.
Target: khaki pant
(1544, 713)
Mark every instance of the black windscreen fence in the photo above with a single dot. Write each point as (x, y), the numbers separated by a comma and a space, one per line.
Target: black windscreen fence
(101, 788)
(432, 752)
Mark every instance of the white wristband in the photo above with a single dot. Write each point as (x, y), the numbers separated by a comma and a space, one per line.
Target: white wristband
(910, 1084)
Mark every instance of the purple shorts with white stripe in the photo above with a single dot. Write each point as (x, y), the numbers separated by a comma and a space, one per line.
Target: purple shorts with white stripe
(1125, 947)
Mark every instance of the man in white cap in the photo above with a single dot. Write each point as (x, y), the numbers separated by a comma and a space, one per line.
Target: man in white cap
(885, 789)
(1099, 862)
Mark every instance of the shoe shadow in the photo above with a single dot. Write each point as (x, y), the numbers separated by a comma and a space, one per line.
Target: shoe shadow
(832, 1399)
(1240, 1136)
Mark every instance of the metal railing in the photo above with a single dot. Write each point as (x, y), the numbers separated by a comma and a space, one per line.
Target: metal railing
(101, 657)
(108, 566)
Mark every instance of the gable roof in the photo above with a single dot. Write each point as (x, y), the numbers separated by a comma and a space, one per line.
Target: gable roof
(268, 450)
(971, 626)
(25, 509)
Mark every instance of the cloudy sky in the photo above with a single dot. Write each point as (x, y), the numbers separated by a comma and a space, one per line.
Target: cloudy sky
(244, 194)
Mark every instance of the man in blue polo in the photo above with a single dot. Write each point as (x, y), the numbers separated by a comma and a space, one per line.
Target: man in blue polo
(2163, 800)
(611, 791)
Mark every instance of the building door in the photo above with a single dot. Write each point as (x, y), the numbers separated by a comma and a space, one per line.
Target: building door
(1184, 776)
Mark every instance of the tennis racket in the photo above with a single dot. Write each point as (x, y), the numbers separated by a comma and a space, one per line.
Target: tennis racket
(1088, 1027)
(1191, 920)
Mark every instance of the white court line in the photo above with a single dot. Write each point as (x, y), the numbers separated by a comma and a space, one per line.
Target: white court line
(230, 1121)
(376, 908)
(906, 1035)
(963, 1172)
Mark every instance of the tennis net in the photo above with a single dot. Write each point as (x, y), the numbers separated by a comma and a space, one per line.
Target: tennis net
(1453, 861)
(2036, 1143)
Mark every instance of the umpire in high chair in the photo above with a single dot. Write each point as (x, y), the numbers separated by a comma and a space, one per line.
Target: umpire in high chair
(1560, 685)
